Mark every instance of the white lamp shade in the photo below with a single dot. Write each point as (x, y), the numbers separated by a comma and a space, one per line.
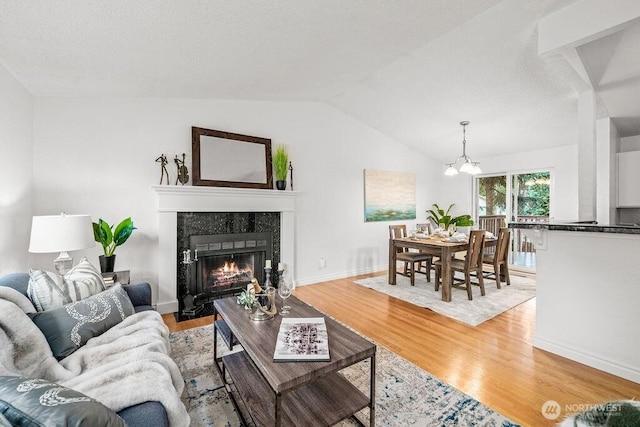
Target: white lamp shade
(466, 167)
(475, 170)
(451, 171)
(61, 233)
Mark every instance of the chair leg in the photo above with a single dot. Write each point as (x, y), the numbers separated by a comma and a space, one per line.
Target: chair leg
(437, 279)
(428, 271)
(481, 281)
(413, 273)
(467, 279)
(505, 268)
(496, 271)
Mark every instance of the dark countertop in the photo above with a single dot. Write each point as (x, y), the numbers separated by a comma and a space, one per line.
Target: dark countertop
(587, 226)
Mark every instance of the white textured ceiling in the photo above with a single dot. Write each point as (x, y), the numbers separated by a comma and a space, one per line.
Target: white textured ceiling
(412, 69)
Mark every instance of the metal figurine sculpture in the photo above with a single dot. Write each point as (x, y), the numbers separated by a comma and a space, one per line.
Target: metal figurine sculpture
(162, 159)
(183, 172)
(291, 172)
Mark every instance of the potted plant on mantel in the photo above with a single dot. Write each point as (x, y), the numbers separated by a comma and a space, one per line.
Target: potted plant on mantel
(280, 166)
(110, 239)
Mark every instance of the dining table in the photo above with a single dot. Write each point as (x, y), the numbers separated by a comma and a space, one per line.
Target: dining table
(435, 245)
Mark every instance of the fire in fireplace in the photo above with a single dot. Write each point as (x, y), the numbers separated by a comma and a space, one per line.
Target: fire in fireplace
(225, 271)
(223, 264)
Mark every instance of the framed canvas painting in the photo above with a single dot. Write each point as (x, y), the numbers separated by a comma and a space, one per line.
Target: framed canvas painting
(389, 196)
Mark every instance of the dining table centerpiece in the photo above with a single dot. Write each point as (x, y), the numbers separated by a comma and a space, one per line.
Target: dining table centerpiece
(447, 223)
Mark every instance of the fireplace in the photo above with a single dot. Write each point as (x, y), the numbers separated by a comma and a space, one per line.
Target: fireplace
(222, 265)
(219, 253)
(194, 210)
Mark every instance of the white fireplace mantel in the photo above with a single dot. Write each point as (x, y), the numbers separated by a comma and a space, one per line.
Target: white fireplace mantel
(172, 199)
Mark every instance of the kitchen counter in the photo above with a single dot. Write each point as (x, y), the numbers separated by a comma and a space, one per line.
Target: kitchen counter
(587, 293)
(589, 227)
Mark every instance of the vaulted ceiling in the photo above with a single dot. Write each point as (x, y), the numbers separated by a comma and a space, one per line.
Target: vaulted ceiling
(413, 69)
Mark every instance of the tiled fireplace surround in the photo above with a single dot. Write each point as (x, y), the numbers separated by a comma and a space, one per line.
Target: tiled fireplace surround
(174, 199)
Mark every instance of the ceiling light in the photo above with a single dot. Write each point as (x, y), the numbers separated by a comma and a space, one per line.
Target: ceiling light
(451, 170)
(468, 165)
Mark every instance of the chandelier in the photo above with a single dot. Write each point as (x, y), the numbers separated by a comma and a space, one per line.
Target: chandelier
(468, 165)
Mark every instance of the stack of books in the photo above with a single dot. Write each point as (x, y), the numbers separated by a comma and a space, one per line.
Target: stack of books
(110, 279)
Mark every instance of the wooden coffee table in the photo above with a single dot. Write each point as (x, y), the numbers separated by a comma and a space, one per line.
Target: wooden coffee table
(291, 393)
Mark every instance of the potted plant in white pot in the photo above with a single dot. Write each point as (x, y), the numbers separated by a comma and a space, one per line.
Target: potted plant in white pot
(110, 239)
(443, 220)
(280, 166)
(464, 224)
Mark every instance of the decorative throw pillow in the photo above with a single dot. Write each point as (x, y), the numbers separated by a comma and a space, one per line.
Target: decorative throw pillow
(50, 290)
(69, 327)
(37, 402)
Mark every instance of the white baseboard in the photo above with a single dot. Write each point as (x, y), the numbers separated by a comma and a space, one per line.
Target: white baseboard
(335, 276)
(628, 372)
(167, 307)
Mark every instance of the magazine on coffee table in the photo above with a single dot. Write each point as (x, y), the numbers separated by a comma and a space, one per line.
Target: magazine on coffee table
(302, 339)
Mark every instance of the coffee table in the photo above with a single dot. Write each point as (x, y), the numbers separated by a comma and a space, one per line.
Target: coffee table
(290, 393)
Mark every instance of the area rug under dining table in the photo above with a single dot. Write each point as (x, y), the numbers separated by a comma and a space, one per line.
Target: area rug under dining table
(474, 312)
(405, 394)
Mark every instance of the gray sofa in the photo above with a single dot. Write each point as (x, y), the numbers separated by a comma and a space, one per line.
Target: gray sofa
(143, 414)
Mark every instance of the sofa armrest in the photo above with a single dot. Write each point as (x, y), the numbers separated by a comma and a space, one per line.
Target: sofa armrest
(139, 294)
(145, 414)
(17, 281)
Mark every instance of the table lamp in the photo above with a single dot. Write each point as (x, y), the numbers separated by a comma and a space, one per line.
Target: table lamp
(61, 233)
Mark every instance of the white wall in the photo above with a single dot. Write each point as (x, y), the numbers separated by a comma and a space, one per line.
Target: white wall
(562, 161)
(630, 143)
(16, 117)
(96, 156)
(607, 145)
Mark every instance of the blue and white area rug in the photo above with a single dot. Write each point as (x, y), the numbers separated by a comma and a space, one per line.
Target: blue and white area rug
(474, 312)
(406, 395)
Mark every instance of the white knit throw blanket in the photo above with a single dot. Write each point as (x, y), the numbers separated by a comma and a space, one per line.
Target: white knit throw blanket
(127, 365)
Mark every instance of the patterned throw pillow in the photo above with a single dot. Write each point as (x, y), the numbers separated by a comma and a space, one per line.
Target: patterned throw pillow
(37, 402)
(69, 327)
(50, 290)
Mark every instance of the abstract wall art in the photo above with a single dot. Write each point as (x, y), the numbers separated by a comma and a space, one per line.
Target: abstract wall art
(389, 196)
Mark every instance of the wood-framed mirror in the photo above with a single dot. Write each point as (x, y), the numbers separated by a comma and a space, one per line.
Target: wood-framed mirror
(224, 159)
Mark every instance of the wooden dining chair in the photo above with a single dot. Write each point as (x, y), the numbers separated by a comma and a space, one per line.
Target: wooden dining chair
(427, 229)
(499, 259)
(410, 258)
(470, 266)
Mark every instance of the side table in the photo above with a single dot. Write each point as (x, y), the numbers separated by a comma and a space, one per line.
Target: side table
(114, 277)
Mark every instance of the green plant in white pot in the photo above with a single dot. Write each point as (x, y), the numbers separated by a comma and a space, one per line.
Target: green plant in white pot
(442, 219)
(464, 224)
(281, 166)
(110, 239)
(439, 216)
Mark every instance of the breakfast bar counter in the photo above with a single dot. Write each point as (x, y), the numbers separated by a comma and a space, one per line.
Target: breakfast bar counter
(587, 227)
(588, 293)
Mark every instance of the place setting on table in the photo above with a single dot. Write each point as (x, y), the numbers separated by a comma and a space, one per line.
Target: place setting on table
(450, 235)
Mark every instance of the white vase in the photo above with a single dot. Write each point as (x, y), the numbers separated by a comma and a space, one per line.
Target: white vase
(465, 230)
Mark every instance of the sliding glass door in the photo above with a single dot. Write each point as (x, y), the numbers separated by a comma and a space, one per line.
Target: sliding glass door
(513, 197)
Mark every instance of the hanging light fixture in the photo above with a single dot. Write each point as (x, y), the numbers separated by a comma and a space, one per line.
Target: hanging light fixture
(468, 165)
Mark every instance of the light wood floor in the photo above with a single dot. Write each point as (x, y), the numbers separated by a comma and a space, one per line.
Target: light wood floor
(494, 362)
